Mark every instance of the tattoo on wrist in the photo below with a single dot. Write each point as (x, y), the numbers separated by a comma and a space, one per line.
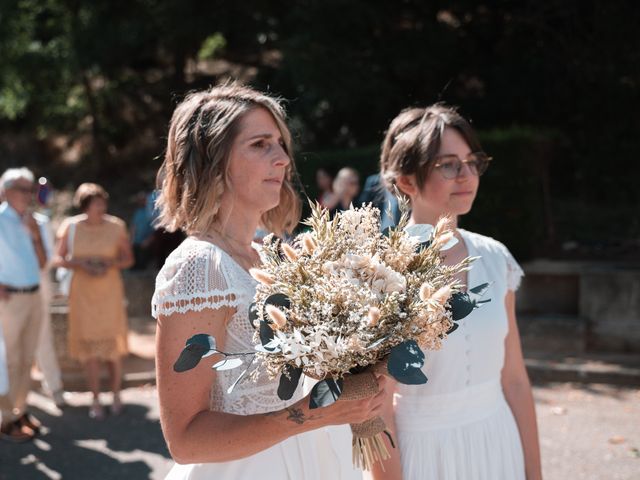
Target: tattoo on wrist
(294, 414)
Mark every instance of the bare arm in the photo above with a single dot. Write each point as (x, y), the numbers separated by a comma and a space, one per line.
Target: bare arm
(194, 434)
(517, 390)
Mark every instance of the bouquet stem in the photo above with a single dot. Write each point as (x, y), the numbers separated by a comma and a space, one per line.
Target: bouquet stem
(368, 443)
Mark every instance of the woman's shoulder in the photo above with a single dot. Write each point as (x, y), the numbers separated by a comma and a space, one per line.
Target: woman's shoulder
(193, 254)
(73, 220)
(115, 221)
(193, 274)
(484, 243)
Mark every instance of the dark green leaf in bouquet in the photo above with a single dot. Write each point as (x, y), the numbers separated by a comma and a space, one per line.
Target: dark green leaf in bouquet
(197, 347)
(460, 305)
(325, 392)
(289, 380)
(279, 300)
(266, 334)
(405, 363)
(190, 357)
(454, 327)
(253, 315)
(206, 341)
(480, 290)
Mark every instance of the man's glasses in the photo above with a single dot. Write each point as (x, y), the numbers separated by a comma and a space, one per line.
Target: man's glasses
(451, 165)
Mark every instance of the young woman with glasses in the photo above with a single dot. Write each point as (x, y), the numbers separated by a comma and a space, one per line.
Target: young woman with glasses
(475, 417)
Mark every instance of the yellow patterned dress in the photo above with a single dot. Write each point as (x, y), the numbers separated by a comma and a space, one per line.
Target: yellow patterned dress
(97, 310)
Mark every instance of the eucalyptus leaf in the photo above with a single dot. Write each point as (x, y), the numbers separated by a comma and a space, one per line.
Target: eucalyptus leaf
(453, 241)
(253, 315)
(453, 328)
(270, 347)
(227, 364)
(189, 357)
(421, 232)
(279, 300)
(405, 361)
(480, 290)
(203, 339)
(460, 305)
(266, 333)
(325, 393)
(289, 380)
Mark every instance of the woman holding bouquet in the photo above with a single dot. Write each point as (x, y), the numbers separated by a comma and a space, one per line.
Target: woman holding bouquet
(475, 417)
(228, 169)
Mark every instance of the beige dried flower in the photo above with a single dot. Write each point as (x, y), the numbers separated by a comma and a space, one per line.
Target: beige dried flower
(442, 295)
(426, 289)
(276, 315)
(308, 243)
(262, 276)
(374, 316)
(289, 252)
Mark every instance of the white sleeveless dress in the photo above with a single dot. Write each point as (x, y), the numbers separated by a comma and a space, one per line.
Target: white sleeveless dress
(458, 426)
(200, 275)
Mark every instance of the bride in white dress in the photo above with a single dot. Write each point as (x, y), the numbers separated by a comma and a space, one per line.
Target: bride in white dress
(228, 169)
(475, 418)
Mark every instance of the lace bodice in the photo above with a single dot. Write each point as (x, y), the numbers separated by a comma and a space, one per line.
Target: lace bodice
(199, 275)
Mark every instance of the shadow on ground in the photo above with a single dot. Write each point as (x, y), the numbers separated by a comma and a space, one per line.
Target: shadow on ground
(73, 446)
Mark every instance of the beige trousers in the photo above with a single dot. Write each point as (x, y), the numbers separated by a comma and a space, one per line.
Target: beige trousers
(21, 317)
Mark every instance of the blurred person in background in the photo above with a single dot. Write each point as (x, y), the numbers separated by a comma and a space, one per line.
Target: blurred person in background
(46, 356)
(141, 232)
(376, 193)
(324, 184)
(22, 255)
(346, 188)
(100, 249)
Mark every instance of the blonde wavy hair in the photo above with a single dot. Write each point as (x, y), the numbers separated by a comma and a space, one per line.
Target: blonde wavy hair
(194, 174)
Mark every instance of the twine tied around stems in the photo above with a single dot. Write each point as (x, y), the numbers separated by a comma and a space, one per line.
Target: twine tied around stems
(367, 444)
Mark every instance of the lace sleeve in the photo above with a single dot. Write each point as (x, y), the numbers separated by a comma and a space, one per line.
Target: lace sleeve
(514, 271)
(193, 279)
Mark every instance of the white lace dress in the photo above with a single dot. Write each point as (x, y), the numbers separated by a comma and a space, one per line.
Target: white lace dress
(459, 425)
(199, 275)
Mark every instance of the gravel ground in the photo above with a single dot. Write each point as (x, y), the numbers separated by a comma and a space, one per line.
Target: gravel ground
(587, 432)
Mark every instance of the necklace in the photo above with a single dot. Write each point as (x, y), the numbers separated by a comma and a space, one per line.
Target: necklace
(246, 260)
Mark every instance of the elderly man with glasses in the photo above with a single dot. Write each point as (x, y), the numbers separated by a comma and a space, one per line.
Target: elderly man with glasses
(22, 255)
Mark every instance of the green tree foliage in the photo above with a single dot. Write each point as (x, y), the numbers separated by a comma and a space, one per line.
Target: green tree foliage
(565, 72)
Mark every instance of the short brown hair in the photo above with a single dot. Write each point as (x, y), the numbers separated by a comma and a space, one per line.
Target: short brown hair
(193, 176)
(86, 193)
(413, 141)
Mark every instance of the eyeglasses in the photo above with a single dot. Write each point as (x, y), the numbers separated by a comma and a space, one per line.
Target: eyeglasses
(450, 166)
